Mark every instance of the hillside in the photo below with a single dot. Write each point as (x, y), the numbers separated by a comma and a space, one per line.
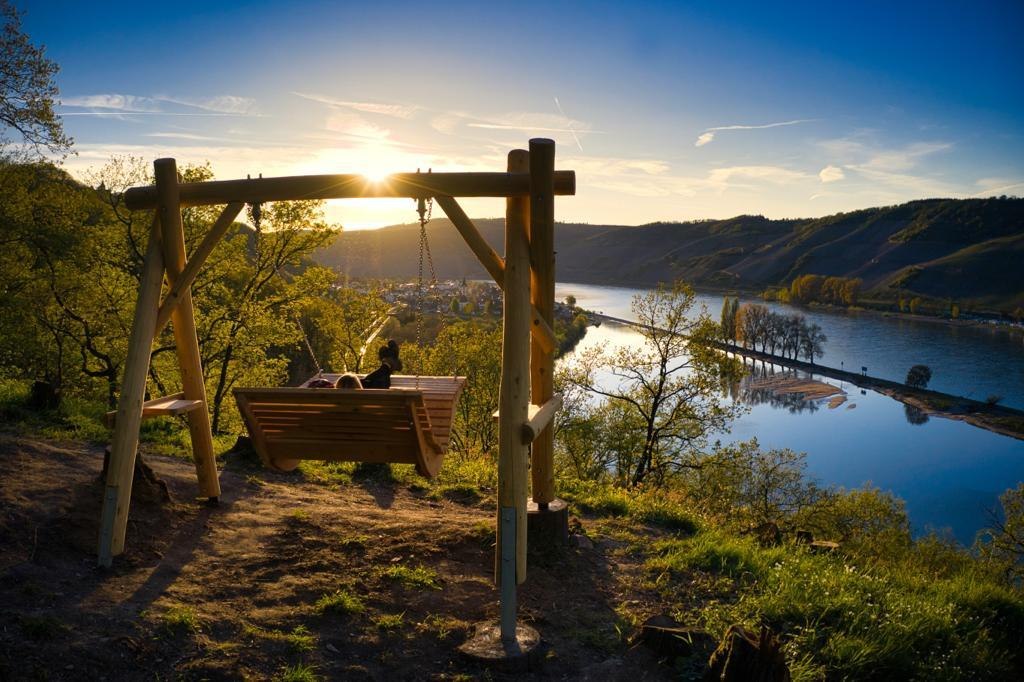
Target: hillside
(964, 249)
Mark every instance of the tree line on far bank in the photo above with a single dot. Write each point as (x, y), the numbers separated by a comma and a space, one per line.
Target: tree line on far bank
(757, 327)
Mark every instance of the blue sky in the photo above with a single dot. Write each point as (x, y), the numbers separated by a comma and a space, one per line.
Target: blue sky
(667, 111)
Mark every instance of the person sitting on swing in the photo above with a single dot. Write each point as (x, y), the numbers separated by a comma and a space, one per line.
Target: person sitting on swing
(389, 364)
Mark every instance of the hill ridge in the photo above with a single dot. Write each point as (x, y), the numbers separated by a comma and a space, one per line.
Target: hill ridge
(960, 249)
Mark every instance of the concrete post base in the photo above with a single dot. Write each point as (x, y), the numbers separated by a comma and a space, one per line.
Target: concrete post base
(514, 656)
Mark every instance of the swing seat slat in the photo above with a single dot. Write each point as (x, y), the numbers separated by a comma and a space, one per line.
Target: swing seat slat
(410, 423)
(168, 405)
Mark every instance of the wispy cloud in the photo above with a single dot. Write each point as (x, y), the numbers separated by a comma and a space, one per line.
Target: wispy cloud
(831, 174)
(403, 111)
(723, 177)
(709, 134)
(186, 136)
(653, 177)
(354, 125)
(997, 186)
(223, 104)
(114, 104)
(892, 170)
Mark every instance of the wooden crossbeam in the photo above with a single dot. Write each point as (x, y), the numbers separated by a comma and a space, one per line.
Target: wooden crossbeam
(412, 185)
(194, 264)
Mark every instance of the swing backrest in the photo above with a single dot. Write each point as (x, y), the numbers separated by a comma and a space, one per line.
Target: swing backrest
(400, 425)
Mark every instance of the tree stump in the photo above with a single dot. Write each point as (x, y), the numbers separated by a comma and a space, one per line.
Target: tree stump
(43, 396)
(745, 657)
(548, 526)
(669, 639)
(146, 485)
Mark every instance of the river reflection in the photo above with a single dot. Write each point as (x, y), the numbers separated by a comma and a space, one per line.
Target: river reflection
(948, 472)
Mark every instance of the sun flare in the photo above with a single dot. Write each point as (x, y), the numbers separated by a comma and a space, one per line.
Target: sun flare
(376, 176)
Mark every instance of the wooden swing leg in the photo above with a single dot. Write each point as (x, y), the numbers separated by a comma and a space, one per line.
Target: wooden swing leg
(514, 392)
(542, 292)
(118, 491)
(183, 320)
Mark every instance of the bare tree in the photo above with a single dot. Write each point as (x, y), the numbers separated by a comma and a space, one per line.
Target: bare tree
(669, 389)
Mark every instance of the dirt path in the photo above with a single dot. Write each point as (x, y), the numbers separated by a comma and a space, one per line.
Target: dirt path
(231, 592)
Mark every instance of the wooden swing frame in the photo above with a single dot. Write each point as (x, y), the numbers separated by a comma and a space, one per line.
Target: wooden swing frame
(526, 275)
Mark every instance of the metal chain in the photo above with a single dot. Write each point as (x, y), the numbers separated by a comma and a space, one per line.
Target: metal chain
(426, 242)
(424, 207)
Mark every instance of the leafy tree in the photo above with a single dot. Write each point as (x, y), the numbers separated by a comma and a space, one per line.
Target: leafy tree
(570, 301)
(1003, 543)
(918, 376)
(669, 389)
(64, 287)
(472, 349)
(806, 288)
(730, 307)
(751, 486)
(246, 301)
(27, 93)
(339, 322)
(868, 521)
(581, 449)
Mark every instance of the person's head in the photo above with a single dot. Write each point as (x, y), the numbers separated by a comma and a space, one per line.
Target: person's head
(349, 381)
(388, 350)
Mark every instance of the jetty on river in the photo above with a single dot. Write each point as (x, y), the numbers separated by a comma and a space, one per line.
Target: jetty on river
(1001, 419)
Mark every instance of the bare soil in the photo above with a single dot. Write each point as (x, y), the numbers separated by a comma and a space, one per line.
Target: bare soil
(229, 592)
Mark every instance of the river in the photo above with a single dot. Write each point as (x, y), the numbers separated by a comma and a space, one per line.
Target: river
(949, 473)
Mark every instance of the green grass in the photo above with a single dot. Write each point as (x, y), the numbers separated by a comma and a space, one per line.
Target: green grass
(714, 552)
(461, 493)
(75, 419)
(419, 577)
(656, 508)
(842, 620)
(299, 640)
(298, 673)
(181, 619)
(340, 601)
(390, 621)
(441, 626)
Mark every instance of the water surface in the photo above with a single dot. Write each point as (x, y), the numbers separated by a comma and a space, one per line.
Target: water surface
(949, 473)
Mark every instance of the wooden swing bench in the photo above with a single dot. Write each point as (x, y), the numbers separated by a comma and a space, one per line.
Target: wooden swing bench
(410, 423)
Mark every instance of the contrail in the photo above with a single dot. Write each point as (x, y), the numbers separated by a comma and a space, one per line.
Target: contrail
(559, 105)
(709, 134)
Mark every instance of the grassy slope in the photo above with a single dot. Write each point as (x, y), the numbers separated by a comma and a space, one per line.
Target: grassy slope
(939, 248)
(330, 572)
(323, 574)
